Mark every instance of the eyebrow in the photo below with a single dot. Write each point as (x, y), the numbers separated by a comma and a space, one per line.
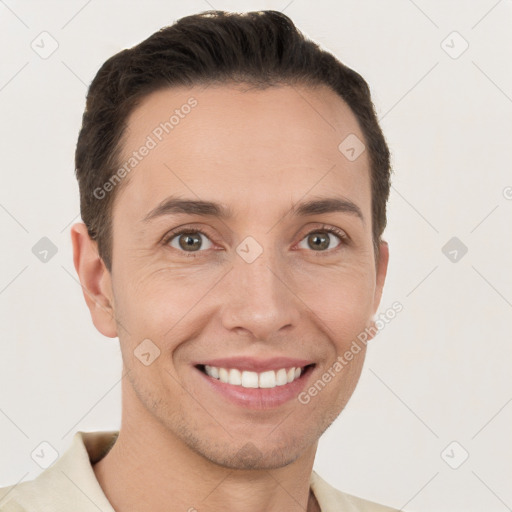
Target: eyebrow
(175, 205)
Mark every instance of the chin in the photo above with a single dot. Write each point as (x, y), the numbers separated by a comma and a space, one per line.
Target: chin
(250, 457)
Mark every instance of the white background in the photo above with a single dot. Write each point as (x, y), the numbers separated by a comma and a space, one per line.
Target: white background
(439, 372)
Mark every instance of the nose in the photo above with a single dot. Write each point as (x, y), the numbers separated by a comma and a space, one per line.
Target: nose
(260, 300)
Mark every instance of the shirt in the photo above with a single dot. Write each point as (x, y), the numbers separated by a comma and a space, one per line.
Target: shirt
(70, 484)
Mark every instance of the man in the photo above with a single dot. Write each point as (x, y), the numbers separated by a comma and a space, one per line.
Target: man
(233, 182)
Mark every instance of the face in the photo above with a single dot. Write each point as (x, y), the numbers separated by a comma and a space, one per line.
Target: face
(272, 268)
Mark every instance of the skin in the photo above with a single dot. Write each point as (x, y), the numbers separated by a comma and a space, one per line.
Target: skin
(260, 153)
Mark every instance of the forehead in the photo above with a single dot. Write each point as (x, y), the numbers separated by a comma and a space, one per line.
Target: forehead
(242, 145)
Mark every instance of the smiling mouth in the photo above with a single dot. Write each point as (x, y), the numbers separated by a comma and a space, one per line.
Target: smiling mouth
(248, 379)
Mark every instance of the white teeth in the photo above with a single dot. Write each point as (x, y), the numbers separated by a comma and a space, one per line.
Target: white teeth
(281, 377)
(249, 379)
(268, 379)
(223, 375)
(235, 377)
(246, 379)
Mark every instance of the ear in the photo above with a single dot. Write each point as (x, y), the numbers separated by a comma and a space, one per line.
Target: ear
(95, 280)
(382, 268)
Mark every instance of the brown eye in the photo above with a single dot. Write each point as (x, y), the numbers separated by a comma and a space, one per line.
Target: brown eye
(321, 240)
(189, 241)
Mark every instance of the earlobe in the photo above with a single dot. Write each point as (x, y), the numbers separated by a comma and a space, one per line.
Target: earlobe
(95, 280)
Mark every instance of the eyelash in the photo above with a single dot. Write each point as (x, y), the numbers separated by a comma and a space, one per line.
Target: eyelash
(194, 254)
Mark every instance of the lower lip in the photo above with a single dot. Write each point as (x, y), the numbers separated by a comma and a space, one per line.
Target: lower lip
(259, 398)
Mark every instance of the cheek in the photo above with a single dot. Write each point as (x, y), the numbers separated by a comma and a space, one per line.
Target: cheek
(343, 300)
(159, 302)
(158, 305)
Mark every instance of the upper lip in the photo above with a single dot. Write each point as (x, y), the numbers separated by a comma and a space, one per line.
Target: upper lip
(255, 364)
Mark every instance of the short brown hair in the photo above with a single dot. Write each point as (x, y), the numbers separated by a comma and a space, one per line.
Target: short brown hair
(261, 48)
